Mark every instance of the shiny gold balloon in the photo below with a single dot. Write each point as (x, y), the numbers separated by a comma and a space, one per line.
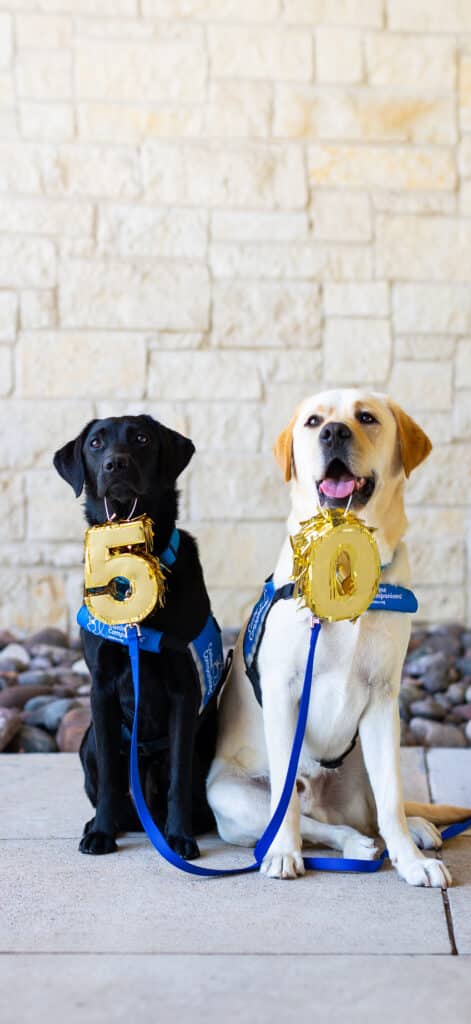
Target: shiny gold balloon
(336, 565)
(123, 580)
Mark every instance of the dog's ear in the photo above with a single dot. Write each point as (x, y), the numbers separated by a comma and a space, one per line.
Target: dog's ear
(69, 461)
(283, 450)
(414, 445)
(176, 450)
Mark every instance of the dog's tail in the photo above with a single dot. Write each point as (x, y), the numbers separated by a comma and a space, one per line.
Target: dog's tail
(438, 814)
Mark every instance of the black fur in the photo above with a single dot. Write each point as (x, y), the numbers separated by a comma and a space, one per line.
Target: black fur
(137, 457)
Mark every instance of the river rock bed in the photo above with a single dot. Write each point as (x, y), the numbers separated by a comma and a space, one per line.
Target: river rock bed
(45, 690)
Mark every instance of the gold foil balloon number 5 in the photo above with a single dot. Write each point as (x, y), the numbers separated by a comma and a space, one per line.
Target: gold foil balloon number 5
(123, 580)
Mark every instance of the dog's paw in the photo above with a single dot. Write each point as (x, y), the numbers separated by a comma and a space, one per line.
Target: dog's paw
(283, 865)
(425, 871)
(185, 846)
(424, 834)
(359, 847)
(96, 843)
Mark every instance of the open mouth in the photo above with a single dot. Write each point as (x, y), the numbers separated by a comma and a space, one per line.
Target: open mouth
(339, 485)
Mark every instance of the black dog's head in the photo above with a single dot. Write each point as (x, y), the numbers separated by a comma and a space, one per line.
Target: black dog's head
(123, 459)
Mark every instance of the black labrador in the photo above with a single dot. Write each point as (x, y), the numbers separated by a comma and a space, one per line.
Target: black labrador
(124, 460)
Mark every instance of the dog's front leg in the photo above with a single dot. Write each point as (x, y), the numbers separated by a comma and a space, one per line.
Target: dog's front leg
(100, 833)
(182, 720)
(284, 859)
(380, 739)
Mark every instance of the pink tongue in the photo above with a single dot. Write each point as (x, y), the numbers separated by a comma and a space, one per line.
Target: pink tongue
(337, 488)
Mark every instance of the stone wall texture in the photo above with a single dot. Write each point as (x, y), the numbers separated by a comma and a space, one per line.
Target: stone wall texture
(209, 208)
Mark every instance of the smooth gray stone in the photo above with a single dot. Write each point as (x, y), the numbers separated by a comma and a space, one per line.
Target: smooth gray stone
(31, 740)
(436, 734)
(51, 714)
(456, 692)
(14, 654)
(428, 708)
(35, 678)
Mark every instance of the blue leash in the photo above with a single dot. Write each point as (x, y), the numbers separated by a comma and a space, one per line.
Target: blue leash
(266, 840)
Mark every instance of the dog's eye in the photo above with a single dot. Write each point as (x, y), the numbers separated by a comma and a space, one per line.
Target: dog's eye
(313, 421)
(142, 438)
(96, 442)
(366, 417)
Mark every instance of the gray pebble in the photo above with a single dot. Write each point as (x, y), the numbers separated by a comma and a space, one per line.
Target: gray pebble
(15, 656)
(435, 681)
(428, 708)
(38, 702)
(427, 663)
(41, 664)
(436, 734)
(36, 679)
(456, 693)
(50, 635)
(30, 740)
(55, 655)
(50, 715)
(410, 693)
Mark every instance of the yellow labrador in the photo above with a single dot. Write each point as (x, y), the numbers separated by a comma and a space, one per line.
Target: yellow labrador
(339, 446)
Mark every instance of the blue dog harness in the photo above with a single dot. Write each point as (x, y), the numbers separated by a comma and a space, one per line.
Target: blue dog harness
(389, 598)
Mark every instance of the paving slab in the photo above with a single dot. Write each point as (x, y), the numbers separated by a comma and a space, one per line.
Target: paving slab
(450, 776)
(208, 990)
(59, 900)
(42, 795)
(458, 857)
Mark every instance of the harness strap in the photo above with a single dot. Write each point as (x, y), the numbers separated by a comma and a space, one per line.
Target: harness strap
(169, 556)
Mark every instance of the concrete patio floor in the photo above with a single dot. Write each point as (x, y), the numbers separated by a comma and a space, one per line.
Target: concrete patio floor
(127, 937)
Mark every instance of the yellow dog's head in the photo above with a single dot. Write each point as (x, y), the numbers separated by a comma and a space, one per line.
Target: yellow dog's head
(350, 446)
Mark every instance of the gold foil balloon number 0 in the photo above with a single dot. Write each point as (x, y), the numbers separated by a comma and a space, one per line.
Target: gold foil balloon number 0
(336, 566)
(123, 580)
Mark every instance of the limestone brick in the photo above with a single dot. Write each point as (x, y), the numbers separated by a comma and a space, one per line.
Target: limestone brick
(6, 370)
(67, 364)
(423, 248)
(339, 56)
(357, 351)
(27, 262)
(137, 295)
(260, 52)
(233, 175)
(210, 376)
(340, 216)
(118, 71)
(415, 61)
(366, 299)
(432, 309)
(364, 114)
(428, 386)
(381, 167)
(266, 315)
(8, 316)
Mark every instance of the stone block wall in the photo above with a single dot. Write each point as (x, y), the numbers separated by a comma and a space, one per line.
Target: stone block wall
(209, 208)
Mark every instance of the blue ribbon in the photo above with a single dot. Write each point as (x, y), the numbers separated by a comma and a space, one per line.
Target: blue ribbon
(266, 840)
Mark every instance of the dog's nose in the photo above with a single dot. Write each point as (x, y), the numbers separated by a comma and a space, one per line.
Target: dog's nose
(115, 461)
(333, 434)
